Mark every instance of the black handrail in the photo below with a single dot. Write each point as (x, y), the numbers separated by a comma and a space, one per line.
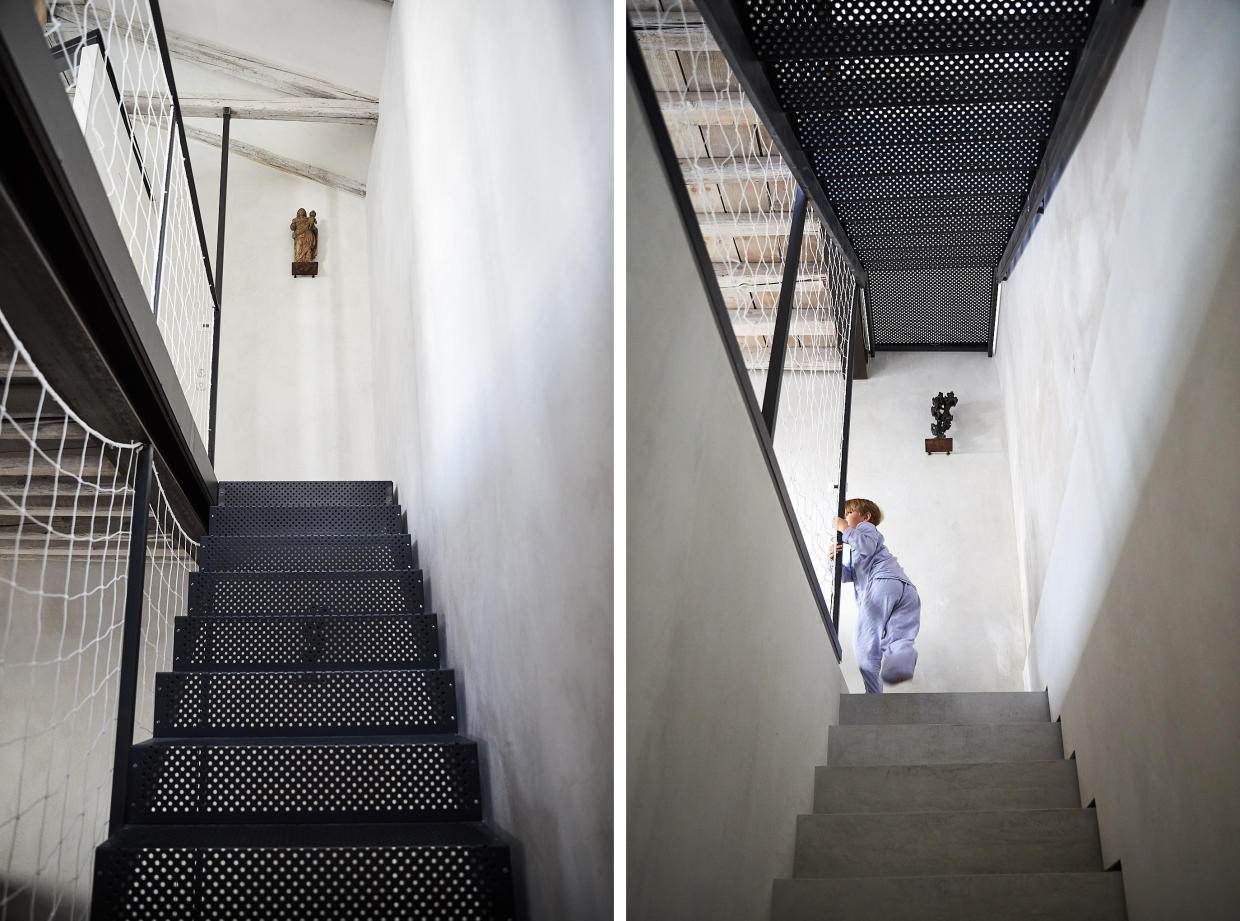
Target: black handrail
(214, 281)
(842, 486)
(693, 232)
(157, 21)
(131, 642)
(219, 284)
(783, 313)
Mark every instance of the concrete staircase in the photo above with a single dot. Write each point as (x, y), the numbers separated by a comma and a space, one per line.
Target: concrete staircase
(947, 807)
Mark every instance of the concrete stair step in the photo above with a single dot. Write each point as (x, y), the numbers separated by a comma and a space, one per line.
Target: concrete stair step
(989, 707)
(991, 897)
(943, 744)
(947, 787)
(947, 843)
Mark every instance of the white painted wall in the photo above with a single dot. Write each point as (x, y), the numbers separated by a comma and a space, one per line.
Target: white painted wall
(947, 518)
(296, 394)
(491, 283)
(1117, 351)
(732, 681)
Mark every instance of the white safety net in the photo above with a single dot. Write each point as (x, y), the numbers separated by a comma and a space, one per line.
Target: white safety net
(110, 62)
(743, 194)
(66, 509)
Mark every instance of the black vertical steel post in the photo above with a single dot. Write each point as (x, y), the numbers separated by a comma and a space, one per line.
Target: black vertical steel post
(163, 220)
(131, 642)
(869, 320)
(219, 285)
(783, 314)
(994, 315)
(854, 315)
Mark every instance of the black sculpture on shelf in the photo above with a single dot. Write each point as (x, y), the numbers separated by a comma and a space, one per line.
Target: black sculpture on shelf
(941, 412)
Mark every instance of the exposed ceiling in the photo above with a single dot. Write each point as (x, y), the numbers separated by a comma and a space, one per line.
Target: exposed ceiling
(741, 191)
(933, 128)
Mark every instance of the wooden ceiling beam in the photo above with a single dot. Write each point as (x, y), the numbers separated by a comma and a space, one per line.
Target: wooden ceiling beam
(302, 109)
(231, 61)
(749, 169)
(707, 108)
(750, 225)
(275, 161)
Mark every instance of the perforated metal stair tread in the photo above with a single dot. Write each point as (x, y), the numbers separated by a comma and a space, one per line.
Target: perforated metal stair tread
(318, 553)
(901, 104)
(304, 642)
(306, 521)
(306, 492)
(270, 703)
(305, 760)
(795, 28)
(365, 872)
(403, 779)
(335, 834)
(247, 594)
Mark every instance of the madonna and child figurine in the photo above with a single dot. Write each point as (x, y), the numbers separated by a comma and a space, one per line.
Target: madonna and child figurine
(941, 413)
(305, 229)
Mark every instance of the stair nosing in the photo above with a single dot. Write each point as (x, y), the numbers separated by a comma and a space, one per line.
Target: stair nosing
(306, 741)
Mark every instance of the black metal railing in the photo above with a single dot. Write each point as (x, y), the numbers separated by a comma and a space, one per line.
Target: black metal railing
(106, 280)
(166, 236)
(81, 246)
(762, 416)
(91, 550)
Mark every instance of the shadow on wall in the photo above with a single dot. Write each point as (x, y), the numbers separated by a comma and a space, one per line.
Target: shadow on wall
(30, 899)
(1156, 679)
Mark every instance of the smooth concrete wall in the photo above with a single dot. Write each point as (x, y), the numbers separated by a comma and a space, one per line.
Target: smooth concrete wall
(947, 518)
(731, 679)
(490, 209)
(1123, 458)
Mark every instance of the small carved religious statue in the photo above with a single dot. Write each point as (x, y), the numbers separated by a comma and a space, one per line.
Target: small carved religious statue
(941, 413)
(305, 230)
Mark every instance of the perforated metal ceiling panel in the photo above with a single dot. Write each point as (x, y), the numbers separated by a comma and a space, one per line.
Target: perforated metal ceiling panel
(925, 122)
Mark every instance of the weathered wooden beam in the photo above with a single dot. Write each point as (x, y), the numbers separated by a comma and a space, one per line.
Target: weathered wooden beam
(749, 225)
(796, 360)
(707, 109)
(340, 111)
(770, 277)
(749, 169)
(217, 57)
(800, 326)
(275, 161)
(672, 32)
(258, 70)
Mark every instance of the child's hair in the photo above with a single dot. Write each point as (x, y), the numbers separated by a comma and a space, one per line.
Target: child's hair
(865, 507)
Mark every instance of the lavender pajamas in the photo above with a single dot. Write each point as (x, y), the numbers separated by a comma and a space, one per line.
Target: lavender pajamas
(888, 609)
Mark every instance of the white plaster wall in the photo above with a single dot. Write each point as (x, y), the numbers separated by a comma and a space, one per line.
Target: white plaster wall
(1123, 451)
(491, 281)
(732, 681)
(296, 395)
(947, 518)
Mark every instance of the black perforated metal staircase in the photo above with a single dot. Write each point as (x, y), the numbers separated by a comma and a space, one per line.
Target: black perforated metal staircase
(305, 762)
